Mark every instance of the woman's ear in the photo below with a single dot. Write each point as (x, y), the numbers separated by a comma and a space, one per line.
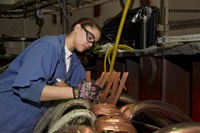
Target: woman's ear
(77, 28)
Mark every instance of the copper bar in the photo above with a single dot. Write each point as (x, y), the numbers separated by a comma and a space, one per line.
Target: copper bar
(88, 75)
(107, 89)
(114, 88)
(121, 86)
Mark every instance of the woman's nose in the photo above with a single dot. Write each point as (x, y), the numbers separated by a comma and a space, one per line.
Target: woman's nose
(90, 44)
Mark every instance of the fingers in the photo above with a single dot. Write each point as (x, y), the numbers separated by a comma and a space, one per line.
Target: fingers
(93, 89)
(89, 91)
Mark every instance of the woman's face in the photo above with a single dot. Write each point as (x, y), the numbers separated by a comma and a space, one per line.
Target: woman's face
(85, 37)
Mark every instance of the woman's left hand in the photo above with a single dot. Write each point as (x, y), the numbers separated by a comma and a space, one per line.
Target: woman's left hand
(61, 83)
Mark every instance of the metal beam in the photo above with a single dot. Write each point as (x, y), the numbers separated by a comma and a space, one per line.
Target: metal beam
(182, 38)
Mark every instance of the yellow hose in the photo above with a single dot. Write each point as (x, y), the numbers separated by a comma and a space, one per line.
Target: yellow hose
(110, 50)
(119, 34)
(116, 45)
(108, 53)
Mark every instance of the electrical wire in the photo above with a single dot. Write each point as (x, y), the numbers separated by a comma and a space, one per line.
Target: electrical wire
(119, 35)
(63, 11)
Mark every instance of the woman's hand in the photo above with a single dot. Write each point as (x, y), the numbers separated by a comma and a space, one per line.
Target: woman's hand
(61, 83)
(89, 91)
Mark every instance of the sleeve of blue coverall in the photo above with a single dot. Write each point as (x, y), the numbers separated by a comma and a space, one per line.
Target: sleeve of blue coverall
(37, 68)
(77, 76)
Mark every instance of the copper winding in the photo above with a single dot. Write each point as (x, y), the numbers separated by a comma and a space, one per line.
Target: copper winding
(77, 129)
(127, 113)
(110, 119)
(156, 106)
(117, 127)
(162, 113)
(113, 123)
(123, 108)
(105, 109)
(102, 105)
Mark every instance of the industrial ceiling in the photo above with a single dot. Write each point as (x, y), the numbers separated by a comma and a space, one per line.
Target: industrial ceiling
(23, 7)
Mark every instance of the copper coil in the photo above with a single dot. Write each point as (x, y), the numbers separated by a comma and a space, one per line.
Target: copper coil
(110, 119)
(116, 127)
(102, 105)
(105, 109)
(123, 108)
(76, 129)
(168, 110)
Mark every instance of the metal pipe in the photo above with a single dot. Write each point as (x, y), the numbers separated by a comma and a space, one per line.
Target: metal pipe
(30, 6)
(64, 17)
(144, 31)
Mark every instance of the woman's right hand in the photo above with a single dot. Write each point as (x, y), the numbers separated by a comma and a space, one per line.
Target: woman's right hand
(89, 91)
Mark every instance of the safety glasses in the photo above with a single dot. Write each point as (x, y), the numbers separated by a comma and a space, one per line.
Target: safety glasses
(89, 36)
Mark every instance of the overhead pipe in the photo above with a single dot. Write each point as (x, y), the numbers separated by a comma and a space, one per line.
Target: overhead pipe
(119, 35)
(14, 8)
(64, 15)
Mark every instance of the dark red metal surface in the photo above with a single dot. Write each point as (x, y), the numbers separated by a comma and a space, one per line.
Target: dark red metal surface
(196, 92)
(168, 82)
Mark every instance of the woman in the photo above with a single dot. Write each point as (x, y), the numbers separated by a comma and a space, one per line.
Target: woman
(29, 83)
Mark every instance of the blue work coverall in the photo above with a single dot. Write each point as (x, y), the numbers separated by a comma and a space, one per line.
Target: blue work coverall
(21, 84)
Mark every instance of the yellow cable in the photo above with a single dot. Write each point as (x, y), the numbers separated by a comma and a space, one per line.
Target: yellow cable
(108, 53)
(119, 34)
(110, 50)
